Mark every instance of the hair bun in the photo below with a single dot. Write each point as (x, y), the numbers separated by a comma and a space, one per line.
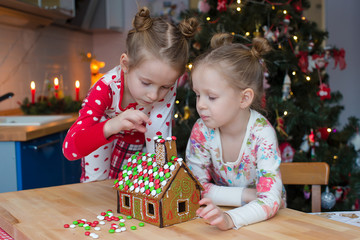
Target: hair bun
(221, 39)
(260, 47)
(189, 27)
(142, 20)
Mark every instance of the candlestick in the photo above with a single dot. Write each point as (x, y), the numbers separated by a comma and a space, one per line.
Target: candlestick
(32, 86)
(77, 89)
(56, 87)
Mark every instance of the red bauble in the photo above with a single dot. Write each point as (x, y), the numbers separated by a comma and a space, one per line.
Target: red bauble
(324, 92)
(323, 133)
(287, 152)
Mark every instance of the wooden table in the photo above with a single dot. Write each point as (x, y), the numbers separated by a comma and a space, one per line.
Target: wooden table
(41, 214)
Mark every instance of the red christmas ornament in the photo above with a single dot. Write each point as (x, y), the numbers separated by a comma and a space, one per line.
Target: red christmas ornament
(298, 6)
(323, 133)
(221, 6)
(324, 92)
(287, 152)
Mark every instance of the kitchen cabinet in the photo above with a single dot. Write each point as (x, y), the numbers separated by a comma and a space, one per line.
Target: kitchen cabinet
(37, 163)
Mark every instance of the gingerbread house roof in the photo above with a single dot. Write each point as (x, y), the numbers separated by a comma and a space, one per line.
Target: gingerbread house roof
(143, 176)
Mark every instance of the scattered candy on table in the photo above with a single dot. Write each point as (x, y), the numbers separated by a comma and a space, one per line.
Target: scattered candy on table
(108, 216)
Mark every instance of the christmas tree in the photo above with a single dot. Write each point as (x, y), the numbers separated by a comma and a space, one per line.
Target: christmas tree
(298, 99)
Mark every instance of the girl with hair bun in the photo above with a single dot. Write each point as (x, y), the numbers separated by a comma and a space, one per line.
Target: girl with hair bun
(233, 149)
(134, 101)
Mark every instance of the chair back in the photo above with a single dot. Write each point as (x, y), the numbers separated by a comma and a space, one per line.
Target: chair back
(307, 173)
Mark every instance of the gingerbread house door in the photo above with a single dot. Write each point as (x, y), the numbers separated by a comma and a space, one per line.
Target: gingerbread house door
(137, 208)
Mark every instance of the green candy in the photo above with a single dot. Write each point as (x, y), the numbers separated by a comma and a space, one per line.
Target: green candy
(122, 224)
(149, 163)
(152, 155)
(167, 175)
(170, 163)
(152, 188)
(157, 176)
(155, 169)
(121, 186)
(158, 190)
(120, 217)
(111, 231)
(133, 227)
(87, 228)
(137, 153)
(146, 187)
(127, 182)
(129, 217)
(162, 179)
(133, 157)
(81, 224)
(124, 167)
(141, 224)
(116, 181)
(75, 222)
(139, 161)
(172, 158)
(159, 137)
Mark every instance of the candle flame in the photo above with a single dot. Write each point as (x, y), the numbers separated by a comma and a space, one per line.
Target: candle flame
(56, 81)
(77, 84)
(32, 85)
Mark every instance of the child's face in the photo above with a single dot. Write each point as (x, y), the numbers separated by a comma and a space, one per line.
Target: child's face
(150, 81)
(217, 102)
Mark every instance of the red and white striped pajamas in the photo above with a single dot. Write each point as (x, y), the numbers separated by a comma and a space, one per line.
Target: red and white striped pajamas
(102, 158)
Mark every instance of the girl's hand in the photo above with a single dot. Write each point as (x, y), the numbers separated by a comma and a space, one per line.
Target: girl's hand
(126, 121)
(214, 215)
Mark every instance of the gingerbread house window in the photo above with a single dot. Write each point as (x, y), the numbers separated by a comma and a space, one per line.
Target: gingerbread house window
(126, 201)
(150, 209)
(182, 206)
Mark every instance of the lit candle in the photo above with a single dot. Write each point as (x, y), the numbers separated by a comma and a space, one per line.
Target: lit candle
(56, 87)
(32, 86)
(77, 89)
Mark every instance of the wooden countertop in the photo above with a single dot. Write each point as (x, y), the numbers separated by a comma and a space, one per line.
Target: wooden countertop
(42, 213)
(25, 133)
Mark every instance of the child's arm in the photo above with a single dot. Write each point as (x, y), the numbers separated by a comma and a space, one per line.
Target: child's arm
(269, 185)
(128, 120)
(214, 215)
(198, 157)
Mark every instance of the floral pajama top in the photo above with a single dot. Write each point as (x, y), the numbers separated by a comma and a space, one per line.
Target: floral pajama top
(256, 167)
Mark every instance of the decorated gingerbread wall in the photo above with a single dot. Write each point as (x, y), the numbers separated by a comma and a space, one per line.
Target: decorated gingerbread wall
(158, 188)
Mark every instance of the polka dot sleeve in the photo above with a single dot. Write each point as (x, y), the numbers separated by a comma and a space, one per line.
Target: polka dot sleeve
(86, 134)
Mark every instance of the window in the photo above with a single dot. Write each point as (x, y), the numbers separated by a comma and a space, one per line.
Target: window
(182, 206)
(150, 209)
(126, 201)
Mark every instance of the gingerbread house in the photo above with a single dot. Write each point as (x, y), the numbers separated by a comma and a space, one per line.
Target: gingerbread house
(158, 188)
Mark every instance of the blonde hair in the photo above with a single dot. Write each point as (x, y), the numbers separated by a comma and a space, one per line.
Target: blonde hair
(241, 66)
(161, 39)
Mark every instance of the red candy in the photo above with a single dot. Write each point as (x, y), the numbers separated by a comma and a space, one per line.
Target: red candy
(173, 138)
(103, 213)
(66, 225)
(147, 191)
(87, 233)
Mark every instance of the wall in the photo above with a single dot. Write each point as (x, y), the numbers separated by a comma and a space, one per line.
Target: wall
(342, 22)
(28, 54)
